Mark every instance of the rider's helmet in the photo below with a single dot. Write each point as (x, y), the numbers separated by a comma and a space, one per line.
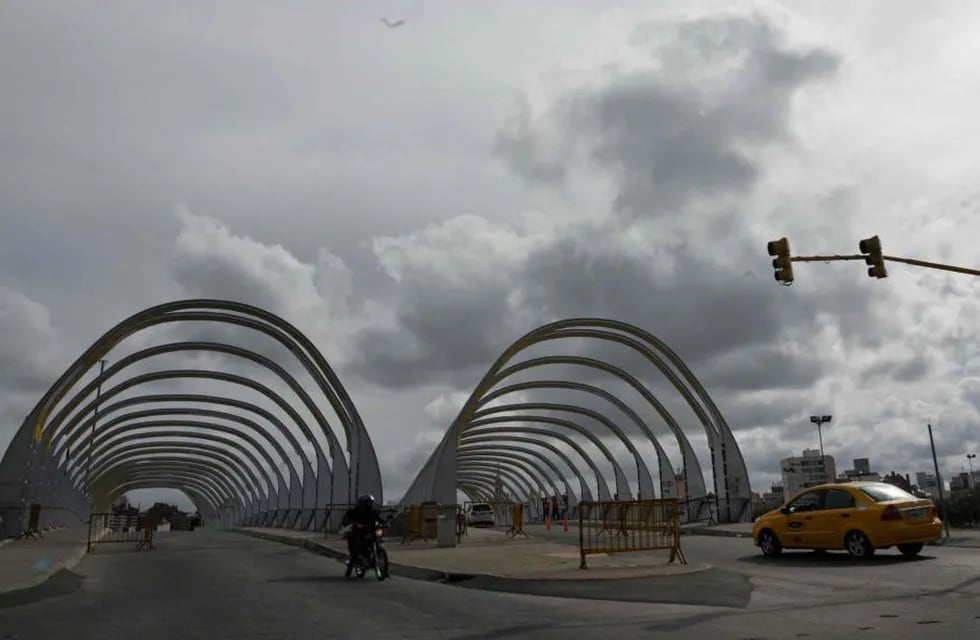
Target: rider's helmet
(366, 500)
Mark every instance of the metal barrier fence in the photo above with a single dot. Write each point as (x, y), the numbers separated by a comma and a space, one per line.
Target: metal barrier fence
(623, 526)
(122, 527)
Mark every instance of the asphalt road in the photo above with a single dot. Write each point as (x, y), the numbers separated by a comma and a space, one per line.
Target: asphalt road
(213, 585)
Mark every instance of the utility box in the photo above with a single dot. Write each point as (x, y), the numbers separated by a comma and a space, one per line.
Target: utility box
(446, 527)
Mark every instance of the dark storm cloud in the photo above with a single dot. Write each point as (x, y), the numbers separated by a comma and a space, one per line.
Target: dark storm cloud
(906, 370)
(667, 140)
(443, 334)
(668, 143)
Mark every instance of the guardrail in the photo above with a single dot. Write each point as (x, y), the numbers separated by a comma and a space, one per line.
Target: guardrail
(625, 526)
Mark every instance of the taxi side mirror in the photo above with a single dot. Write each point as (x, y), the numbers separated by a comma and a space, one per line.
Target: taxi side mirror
(784, 511)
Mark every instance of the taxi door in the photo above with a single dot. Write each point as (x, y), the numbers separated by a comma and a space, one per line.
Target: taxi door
(801, 520)
(834, 519)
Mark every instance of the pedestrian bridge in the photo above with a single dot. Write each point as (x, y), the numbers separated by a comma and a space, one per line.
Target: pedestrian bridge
(258, 456)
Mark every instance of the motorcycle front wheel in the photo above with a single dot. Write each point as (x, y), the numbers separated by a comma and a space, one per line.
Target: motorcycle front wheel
(381, 563)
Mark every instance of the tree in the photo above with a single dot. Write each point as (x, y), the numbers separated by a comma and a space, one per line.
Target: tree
(899, 481)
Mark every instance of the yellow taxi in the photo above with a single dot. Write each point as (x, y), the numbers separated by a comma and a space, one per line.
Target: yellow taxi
(859, 517)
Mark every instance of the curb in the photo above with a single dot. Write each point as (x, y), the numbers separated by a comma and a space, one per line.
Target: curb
(67, 563)
(403, 570)
(709, 531)
(421, 573)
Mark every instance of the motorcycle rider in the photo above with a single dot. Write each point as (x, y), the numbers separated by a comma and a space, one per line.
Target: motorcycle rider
(364, 518)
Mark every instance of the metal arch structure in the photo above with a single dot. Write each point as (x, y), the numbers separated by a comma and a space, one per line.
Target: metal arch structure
(246, 479)
(78, 440)
(494, 442)
(517, 467)
(437, 480)
(35, 468)
(501, 434)
(198, 455)
(514, 474)
(221, 486)
(291, 495)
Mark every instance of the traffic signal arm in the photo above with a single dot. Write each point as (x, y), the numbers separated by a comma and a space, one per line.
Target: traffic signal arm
(912, 261)
(825, 258)
(932, 265)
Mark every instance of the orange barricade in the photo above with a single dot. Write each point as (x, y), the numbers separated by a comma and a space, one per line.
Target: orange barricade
(622, 526)
(517, 520)
(414, 529)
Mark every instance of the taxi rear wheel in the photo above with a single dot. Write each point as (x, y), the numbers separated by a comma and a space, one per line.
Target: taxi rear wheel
(911, 549)
(769, 544)
(858, 545)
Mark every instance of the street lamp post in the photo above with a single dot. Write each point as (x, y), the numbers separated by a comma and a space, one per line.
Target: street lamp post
(973, 480)
(820, 421)
(91, 443)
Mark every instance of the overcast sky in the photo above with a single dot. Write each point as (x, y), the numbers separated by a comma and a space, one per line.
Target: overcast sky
(417, 198)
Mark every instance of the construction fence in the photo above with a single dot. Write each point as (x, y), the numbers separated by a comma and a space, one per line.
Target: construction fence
(625, 526)
(135, 528)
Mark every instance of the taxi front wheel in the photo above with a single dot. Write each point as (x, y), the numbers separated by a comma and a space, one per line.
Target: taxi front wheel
(769, 543)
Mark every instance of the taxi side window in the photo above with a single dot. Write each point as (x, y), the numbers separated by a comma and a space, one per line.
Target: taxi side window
(838, 499)
(806, 502)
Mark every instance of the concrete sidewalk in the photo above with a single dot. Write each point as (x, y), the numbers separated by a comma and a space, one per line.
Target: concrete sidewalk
(29, 562)
(491, 553)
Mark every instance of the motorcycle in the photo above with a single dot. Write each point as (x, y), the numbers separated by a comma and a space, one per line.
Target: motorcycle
(373, 556)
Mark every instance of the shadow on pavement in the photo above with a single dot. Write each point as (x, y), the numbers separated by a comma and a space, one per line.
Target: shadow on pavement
(309, 579)
(713, 587)
(839, 559)
(61, 583)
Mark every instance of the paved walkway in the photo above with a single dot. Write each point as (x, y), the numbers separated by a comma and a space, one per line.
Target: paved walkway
(26, 563)
(490, 552)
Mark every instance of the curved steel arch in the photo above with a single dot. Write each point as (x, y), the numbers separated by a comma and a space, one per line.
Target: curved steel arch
(666, 471)
(520, 471)
(602, 487)
(28, 473)
(162, 438)
(514, 450)
(721, 440)
(510, 477)
(213, 347)
(645, 482)
(107, 426)
(486, 476)
(337, 491)
(493, 440)
(283, 332)
(437, 477)
(521, 420)
(487, 490)
(132, 430)
(228, 489)
(695, 489)
(185, 484)
(691, 465)
(247, 482)
(214, 485)
(297, 495)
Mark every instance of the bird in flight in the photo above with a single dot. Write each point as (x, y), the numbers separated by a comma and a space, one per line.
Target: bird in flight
(392, 25)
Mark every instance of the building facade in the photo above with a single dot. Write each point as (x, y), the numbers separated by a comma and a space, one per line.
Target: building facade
(806, 471)
(927, 484)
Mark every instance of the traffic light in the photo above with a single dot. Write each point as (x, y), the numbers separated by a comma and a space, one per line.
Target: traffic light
(871, 247)
(782, 263)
